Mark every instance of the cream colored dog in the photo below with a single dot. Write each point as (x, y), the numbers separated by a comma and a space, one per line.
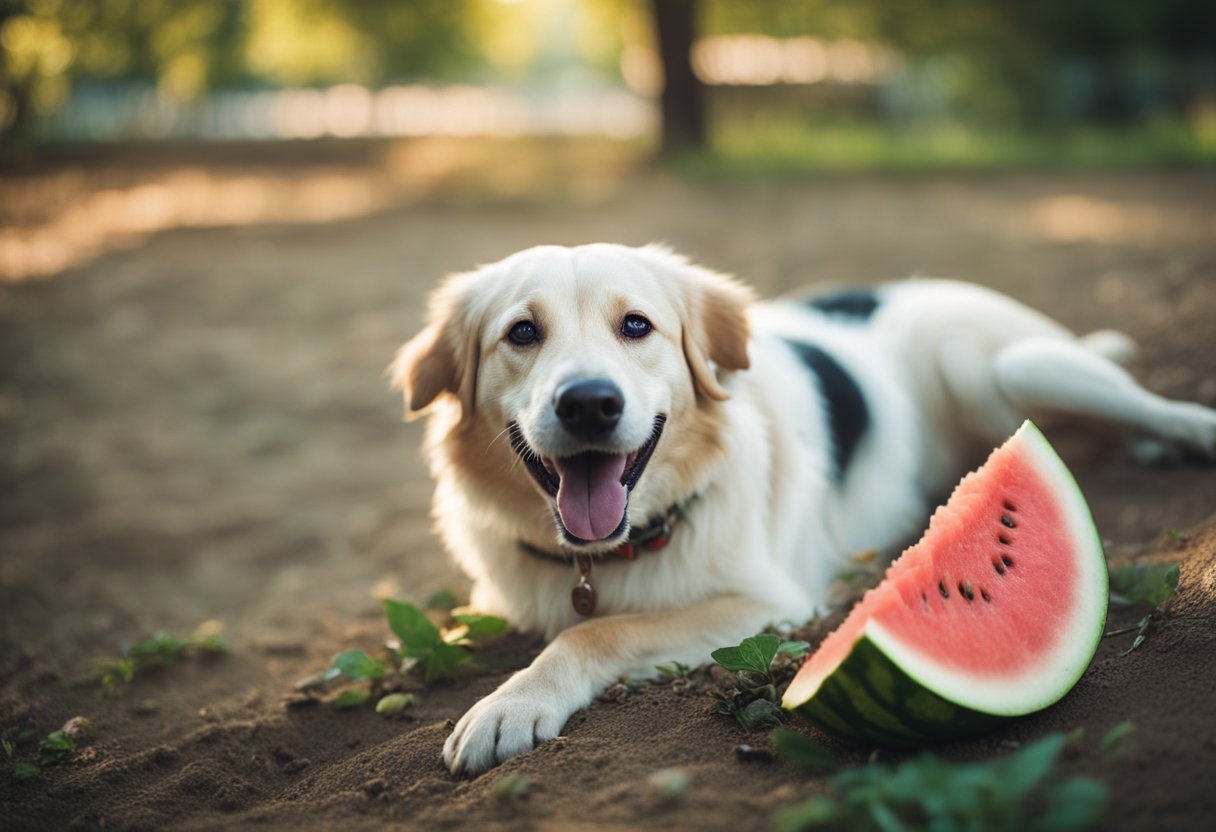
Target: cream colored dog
(637, 460)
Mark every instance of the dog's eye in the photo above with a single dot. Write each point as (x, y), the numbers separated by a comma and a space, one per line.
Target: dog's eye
(634, 326)
(524, 333)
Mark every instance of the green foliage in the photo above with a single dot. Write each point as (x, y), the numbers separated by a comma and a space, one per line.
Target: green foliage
(351, 698)
(26, 771)
(512, 788)
(395, 703)
(1143, 583)
(421, 648)
(800, 750)
(1140, 584)
(358, 665)
(56, 748)
(761, 664)
(1117, 736)
(1014, 793)
(160, 650)
(674, 669)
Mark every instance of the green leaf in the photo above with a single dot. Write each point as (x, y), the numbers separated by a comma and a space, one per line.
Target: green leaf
(1076, 804)
(512, 788)
(395, 703)
(1115, 736)
(55, 748)
(318, 679)
(675, 669)
(444, 659)
(818, 811)
(358, 665)
(794, 649)
(1022, 770)
(754, 654)
(482, 626)
(802, 751)
(417, 634)
(1143, 583)
(759, 714)
(442, 600)
(26, 771)
(352, 698)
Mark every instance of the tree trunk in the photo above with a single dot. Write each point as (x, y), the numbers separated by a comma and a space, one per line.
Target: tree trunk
(683, 100)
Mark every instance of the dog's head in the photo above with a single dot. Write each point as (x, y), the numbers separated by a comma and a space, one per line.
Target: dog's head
(587, 358)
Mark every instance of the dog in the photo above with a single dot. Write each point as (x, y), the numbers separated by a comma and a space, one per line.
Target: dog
(636, 458)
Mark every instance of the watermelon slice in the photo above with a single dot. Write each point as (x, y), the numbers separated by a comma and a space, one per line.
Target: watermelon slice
(994, 614)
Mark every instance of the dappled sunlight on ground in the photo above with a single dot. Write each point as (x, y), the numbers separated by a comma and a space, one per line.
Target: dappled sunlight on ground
(54, 221)
(1073, 218)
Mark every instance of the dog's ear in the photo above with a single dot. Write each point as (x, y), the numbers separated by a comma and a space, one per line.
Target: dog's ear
(716, 330)
(715, 319)
(443, 358)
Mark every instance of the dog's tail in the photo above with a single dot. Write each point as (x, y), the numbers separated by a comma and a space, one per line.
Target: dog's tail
(1112, 345)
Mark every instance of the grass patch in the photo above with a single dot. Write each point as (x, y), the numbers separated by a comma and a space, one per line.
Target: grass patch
(789, 146)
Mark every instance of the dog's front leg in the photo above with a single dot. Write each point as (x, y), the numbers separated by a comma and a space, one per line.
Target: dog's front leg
(534, 704)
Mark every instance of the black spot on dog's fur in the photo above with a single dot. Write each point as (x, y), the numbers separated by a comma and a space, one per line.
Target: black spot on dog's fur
(858, 304)
(848, 416)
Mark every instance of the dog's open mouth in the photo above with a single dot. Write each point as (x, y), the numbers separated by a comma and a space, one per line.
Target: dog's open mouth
(591, 489)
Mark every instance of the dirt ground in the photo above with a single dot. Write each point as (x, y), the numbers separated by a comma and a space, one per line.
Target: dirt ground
(194, 425)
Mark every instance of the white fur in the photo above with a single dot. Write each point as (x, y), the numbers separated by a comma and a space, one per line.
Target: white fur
(947, 369)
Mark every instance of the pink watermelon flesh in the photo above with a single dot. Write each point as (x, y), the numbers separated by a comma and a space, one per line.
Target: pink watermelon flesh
(995, 585)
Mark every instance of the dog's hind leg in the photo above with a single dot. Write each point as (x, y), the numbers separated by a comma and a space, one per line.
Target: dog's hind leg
(1060, 376)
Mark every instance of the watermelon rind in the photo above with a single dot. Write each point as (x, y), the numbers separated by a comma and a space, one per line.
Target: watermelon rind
(887, 693)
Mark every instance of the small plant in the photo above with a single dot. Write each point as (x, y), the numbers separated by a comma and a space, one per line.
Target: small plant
(53, 749)
(761, 664)
(1143, 583)
(1013, 792)
(674, 669)
(1179, 538)
(159, 650)
(512, 789)
(419, 649)
(1140, 584)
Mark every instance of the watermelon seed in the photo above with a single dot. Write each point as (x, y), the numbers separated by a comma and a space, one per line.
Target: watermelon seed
(966, 591)
(924, 598)
(999, 567)
(1008, 521)
(984, 594)
(1007, 560)
(941, 587)
(1003, 540)
(1009, 506)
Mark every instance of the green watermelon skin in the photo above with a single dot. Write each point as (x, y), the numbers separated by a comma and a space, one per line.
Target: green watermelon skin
(871, 701)
(876, 681)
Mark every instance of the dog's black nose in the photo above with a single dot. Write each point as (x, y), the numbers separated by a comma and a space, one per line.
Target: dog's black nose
(589, 409)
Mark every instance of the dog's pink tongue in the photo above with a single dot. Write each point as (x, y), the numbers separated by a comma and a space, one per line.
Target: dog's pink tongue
(591, 498)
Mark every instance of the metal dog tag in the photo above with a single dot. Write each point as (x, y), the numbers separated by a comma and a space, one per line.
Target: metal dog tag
(582, 597)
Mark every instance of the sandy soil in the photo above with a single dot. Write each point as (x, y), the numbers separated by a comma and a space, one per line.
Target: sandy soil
(194, 426)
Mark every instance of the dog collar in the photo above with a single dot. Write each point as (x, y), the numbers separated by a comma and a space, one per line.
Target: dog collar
(652, 537)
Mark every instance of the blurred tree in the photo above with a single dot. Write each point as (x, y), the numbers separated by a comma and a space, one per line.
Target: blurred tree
(682, 102)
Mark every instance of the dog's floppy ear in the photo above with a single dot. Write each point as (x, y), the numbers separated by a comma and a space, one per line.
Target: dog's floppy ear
(715, 319)
(443, 358)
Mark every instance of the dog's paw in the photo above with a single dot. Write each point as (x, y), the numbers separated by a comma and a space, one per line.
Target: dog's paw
(500, 726)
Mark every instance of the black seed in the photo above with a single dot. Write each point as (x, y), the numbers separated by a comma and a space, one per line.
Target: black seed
(941, 587)
(1008, 521)
(1008, 561)
(1004, 541)
(924, 598)
(984, 594)
(1009, 506)
(999, 567)
(965, 591)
